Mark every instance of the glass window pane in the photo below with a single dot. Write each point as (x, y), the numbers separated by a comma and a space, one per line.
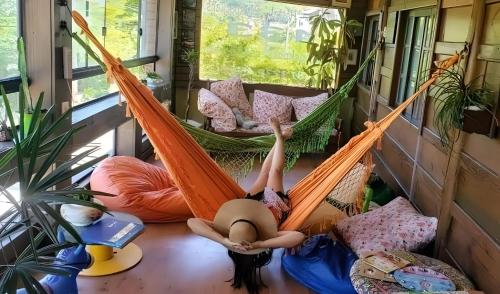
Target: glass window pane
(105, 145)
(149, 15)
(122, 28)
(93, 12)
(85, 90)
(88, 89)
(9, 18)
(257, 40)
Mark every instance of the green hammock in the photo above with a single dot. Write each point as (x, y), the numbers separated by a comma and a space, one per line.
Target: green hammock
(237, 155)
(310, 134)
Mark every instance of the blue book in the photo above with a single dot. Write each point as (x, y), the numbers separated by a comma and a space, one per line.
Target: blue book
(110, 231)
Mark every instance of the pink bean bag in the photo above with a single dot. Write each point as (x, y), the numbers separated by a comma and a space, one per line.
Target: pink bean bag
(141, 189)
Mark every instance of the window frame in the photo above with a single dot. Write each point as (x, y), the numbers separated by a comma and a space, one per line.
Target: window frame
(79, 73)
(11, 84)
(413, 113)
(372, 22)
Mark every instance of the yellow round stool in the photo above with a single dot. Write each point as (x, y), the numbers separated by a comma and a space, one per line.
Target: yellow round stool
(108, 260)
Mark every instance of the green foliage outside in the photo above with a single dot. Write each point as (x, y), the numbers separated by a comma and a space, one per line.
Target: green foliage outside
(8, 38)
(121, 18)
(256, 40)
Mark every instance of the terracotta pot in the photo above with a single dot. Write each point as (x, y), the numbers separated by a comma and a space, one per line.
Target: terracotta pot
(477, 121)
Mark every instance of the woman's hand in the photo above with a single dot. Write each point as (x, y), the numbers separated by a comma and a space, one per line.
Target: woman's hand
(251, 246)
(233, 245)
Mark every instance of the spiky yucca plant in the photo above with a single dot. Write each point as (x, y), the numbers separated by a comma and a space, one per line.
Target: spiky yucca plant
(453, 95)
(35, 154)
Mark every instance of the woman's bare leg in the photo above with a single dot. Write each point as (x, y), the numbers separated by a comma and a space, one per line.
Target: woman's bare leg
(261, 182)
(275, 179)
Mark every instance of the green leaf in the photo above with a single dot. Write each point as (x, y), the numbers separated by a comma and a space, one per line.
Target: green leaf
(23, 70)
(61, 221)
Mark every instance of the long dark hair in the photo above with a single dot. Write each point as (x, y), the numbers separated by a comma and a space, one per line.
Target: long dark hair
(247, 269)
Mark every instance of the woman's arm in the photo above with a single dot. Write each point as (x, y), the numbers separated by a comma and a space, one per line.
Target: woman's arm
(285, 239)
(205, 229)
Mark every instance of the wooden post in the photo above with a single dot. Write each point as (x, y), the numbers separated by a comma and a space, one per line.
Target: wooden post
(375, 88)
(450, 182)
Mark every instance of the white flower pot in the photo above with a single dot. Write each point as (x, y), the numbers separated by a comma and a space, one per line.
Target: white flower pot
(79, 215)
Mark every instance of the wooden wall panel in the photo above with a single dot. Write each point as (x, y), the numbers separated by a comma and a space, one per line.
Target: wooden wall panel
(476, 254)
(385, 87)
(399, 162)
(456, 24)
(432, 157)
(389, 53)
(363, 98)
(491, 33)
(358, 120)
(427, 193)
(478, 194)
(375, 4)
(401, 130)
(382, 170)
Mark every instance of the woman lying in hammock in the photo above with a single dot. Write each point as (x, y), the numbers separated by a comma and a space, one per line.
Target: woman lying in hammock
(249, 227)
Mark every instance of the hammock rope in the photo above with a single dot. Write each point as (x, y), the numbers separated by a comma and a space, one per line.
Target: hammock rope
(204, 184)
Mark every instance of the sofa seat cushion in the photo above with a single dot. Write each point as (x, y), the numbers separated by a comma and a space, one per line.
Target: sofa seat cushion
(304, 106)
(233, 94)
(395, 226)
(141, 189)
(268, 105)
(210, 105)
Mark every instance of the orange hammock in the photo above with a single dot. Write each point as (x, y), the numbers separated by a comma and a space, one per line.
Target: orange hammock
(204, 184)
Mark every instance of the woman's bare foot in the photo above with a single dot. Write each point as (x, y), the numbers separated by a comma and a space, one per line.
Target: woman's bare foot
(284, 134)
(275, 124)
(287, 133)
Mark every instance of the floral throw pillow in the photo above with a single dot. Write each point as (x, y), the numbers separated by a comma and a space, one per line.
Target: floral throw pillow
(223, 119)
(232, 93)
(306, 105)
(268, 105)
(395, 226)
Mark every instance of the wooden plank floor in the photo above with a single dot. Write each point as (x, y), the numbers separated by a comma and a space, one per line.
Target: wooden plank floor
(177, 261)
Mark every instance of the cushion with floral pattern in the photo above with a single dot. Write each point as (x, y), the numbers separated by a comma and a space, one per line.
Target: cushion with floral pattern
(394, 226)
(304, 106)
(223, 119)
(232, 93)
(268, 105)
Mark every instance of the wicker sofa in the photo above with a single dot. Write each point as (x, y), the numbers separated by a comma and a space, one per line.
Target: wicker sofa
(256, 102)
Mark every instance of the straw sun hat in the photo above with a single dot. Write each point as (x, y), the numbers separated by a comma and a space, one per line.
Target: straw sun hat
(245, 220)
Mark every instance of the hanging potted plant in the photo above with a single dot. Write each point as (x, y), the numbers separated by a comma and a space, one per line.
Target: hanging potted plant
(461, 105)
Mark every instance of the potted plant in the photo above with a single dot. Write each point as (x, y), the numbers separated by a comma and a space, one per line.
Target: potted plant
(328, 48)
(36, 213)
(461, 105)
(190, 56)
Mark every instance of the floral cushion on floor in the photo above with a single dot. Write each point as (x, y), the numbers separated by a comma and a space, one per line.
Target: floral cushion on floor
(268, 105)
(233, 94)
(304, 106)
(395, 226)
(364, 285)
(223, 119)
